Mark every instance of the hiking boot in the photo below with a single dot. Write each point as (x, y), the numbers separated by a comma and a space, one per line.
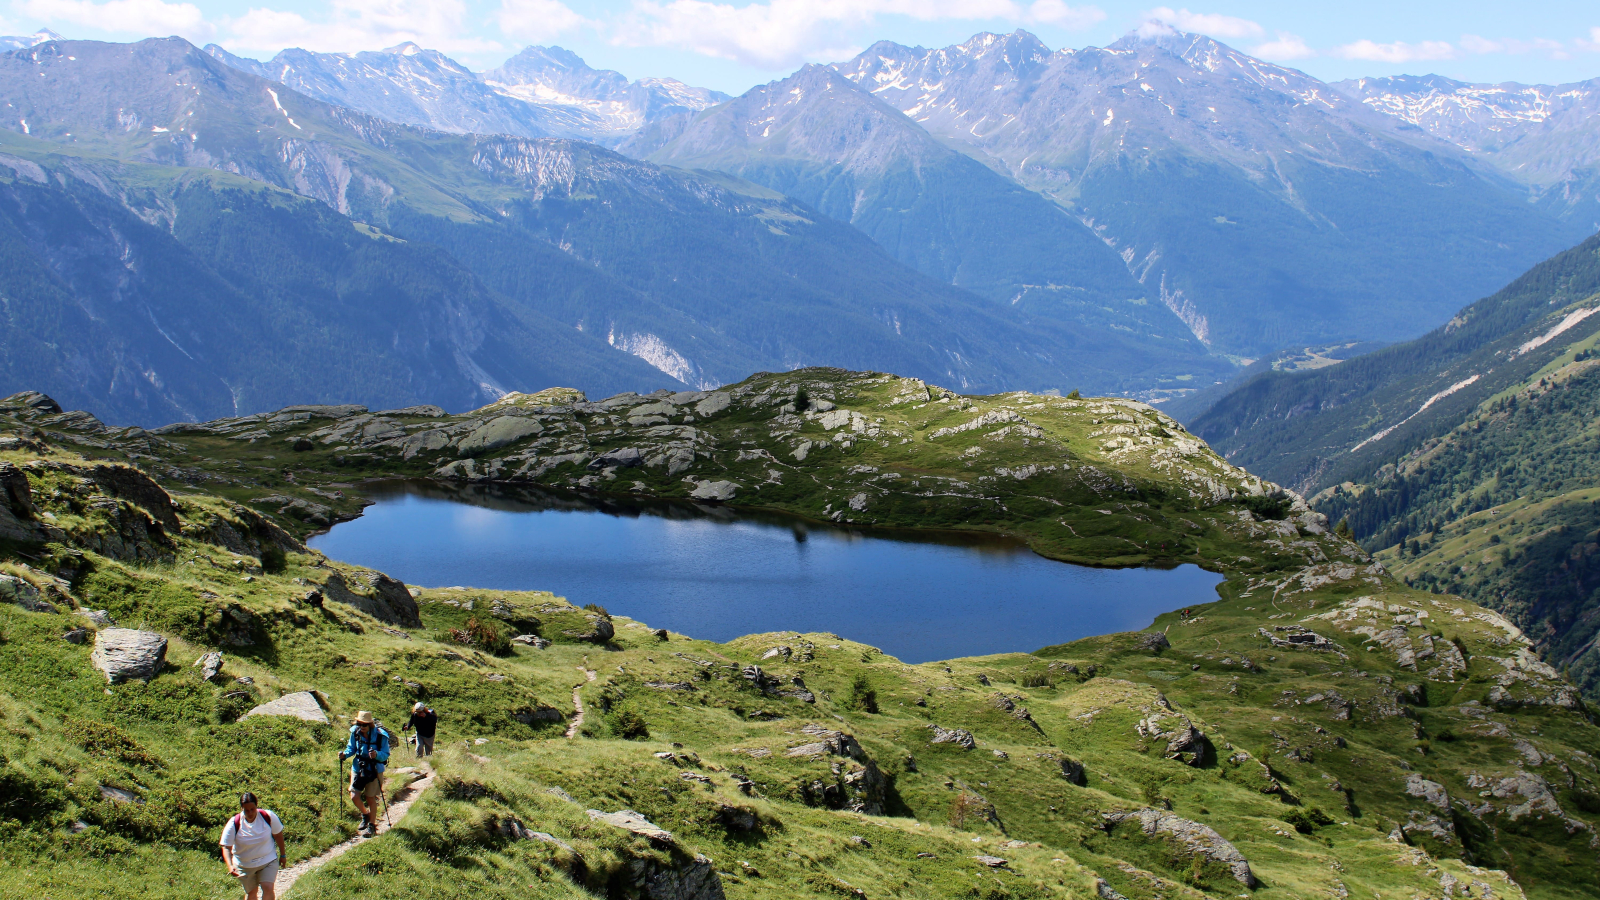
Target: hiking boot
(366, 825)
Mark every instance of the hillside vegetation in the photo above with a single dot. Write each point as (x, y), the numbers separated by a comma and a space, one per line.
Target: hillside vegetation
(1320, 730)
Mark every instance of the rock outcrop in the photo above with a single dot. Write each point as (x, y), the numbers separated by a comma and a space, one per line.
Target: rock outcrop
(301, 705)
(1193, 837)
(123, 654)
(382, 597)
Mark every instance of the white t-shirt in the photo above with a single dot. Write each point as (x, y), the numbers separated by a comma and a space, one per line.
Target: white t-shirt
(252, 841)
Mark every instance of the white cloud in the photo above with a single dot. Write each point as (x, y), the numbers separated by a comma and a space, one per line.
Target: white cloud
(1284, 47)
(141, 17)
(781, 34)
(1073, 18)
(537, 21)
(1217, 26)
(1592, 44)
(1472, 43)
(1397, 52)
(352, 25)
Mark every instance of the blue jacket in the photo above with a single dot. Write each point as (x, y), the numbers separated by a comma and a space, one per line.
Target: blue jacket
(358, 745)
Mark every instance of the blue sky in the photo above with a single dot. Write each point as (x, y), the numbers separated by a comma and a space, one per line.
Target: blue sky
(734, 44)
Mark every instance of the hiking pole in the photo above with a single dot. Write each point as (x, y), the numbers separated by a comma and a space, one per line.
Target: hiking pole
(383, 797)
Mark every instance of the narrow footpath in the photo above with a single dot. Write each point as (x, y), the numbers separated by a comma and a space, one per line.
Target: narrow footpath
(577, 704)
(397, 811)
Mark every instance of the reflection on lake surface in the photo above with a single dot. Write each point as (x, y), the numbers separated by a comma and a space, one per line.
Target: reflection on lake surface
(715, 573)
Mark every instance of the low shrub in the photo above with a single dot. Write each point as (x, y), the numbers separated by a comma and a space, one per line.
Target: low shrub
(108, 742)
(482, 635)
(862, 697)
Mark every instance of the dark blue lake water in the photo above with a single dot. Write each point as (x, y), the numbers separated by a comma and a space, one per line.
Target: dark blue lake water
(714, 573)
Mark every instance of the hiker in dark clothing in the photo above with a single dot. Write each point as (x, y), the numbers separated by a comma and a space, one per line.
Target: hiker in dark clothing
(427, 724)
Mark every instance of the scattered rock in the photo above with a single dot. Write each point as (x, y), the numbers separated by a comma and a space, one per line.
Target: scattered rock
(1431, 791)
(123, 653)
(531, 640)
(383, 598)
(1197, 839)
(1155, 642)
(1105, 891)
(118, 795)
(498, 432)
(958, 736)
(993, 862)
(622, 458)
(629, 820)
(600, 629)
(209, 665)
(77, 636)
(1185, 743)
(24, 594)
(99, 617)
(300, 705)
(721, 491)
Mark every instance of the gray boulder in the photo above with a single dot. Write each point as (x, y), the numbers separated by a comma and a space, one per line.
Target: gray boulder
(498, 432)
(958, 736)
(100, 617)
(302, 705)
(1155, 642)
(713, 404)
(628, 820)
(381, 597)
(1431, 791)
(209, 665)
(123, 653)
(714, 490)
(1197, 839)
(22, 593)
(621, 458)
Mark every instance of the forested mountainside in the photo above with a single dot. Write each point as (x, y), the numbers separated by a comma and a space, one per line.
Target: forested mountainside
(1318, 428)
(536, 261)
(1319, 730)
(1542, 136)
(1466, 459)
(1268, 209)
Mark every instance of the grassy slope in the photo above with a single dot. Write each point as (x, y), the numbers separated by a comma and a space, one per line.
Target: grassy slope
(173, 742)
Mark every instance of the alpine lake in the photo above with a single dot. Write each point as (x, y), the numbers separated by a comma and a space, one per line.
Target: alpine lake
(717, 573)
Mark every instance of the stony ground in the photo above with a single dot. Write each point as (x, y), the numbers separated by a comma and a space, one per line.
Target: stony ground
(1320, 730)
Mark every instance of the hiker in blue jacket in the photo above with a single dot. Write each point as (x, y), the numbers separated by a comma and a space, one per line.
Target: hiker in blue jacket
(368, 749)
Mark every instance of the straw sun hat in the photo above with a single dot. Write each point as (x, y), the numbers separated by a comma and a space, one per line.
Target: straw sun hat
(364, 718)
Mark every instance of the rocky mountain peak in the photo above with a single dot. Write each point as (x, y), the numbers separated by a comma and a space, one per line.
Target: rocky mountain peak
(27, 41)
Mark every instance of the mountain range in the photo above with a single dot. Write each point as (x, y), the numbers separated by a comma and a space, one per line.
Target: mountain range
(310, 250)
(1165, 188)
(1134, 219)
(1542, 136)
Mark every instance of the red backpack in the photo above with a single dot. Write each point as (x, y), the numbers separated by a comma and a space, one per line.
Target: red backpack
(238, 820)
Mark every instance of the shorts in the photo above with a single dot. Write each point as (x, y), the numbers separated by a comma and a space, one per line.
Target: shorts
(371, 791)
(255, 876)
(424, 745)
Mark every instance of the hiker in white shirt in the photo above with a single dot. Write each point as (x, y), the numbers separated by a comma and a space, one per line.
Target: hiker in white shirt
(247, 848)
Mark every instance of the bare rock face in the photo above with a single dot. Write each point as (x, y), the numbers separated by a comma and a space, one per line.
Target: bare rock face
(714, 490)
(381, 597)
(1431, 791)
(1197, 839)
(123, 653)
(23, 594)
(302, 705)
(1185, 743)
(628, 820)
(958, 736)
